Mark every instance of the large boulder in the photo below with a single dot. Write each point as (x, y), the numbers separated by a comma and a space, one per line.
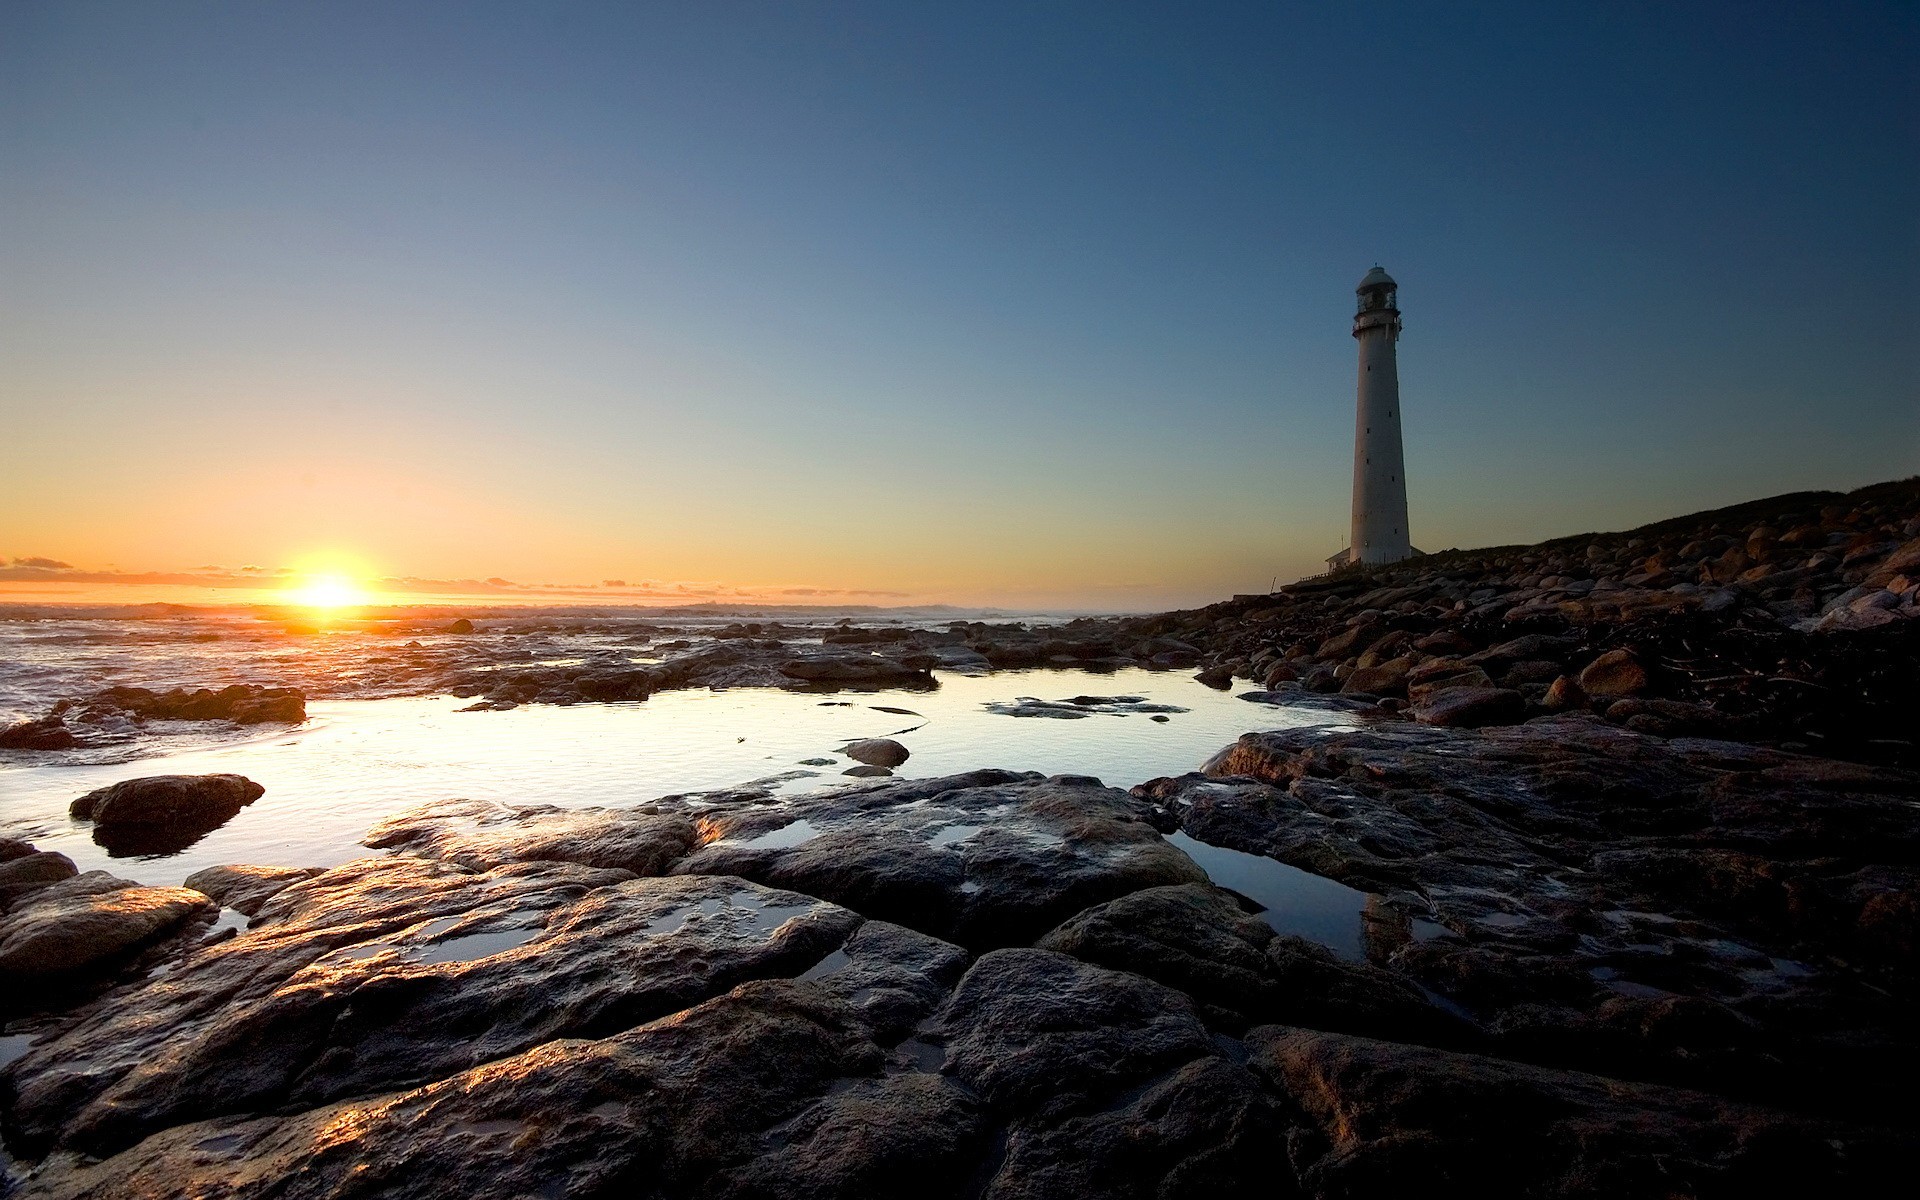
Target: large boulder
(202, 800)
(85, 924)
(163, 814)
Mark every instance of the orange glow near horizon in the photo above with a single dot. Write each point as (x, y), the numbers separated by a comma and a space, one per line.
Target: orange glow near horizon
(329, 592)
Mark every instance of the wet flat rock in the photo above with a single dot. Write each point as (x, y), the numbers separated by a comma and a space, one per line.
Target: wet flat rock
(990, 859)
(483, 834)
(1688, 910)
(391, 972)
(64, 930)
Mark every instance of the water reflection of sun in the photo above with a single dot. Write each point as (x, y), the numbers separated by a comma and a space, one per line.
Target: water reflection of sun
(328, 592)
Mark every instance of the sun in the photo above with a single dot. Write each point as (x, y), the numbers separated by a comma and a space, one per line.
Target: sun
(329, 592)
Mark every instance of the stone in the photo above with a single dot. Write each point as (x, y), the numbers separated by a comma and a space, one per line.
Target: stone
(168, 800)
(163, 814)
(867, 771)
(1614, 675)
(484, 834)
(45, 733)
(246, 888)
(1471, 707)
(1207, 1129)
(31, 871)
(1386, 679)
(1562, 694)
(864, 670)
(877, 752)
(85, 923)
(986, 859)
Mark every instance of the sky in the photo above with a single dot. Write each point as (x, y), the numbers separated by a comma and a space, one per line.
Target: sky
(1036, 305)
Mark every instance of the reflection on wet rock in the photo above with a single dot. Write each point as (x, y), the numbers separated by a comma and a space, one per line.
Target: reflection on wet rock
(1042, 850)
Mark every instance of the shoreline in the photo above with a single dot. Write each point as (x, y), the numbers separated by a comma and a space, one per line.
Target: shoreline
(1629, 820)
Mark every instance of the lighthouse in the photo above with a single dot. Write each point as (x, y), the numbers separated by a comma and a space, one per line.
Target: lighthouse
(1379, 532)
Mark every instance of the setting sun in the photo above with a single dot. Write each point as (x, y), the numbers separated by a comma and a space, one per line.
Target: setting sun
(329, 591)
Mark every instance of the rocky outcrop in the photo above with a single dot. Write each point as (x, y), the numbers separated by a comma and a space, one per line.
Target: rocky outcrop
(735, 994)
(1789, 620)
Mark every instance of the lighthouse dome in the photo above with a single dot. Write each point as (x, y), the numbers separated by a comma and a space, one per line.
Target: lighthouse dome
(1376, 278)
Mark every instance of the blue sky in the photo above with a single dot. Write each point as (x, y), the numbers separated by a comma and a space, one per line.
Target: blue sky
(1027, 303)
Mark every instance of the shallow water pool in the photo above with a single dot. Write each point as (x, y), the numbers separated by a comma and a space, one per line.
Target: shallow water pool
(355, 762)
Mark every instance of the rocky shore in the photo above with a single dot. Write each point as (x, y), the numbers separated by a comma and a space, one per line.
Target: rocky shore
(1628, 824)
(1790, 621)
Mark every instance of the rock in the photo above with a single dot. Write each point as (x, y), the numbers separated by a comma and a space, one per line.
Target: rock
(1613, 675)
(988, 859)
(1386, 679)
(864, 670)
(459, 625)
(163, 814)
(1439, 675)
(483, 834)
(1030, 1028)
(245, 888)
(1207, 1129)
(46, 733)
(31, 871)
(1219, 677)
(1562, 694)
(867, 771)
(1394, 1117)
(243, 704)
(168, 800)
(1196, 939)
(390, 972)
(1656, 909)
(12, 848)
(1471, 707)
(1279, 673)
(877, 752)
(87, 923)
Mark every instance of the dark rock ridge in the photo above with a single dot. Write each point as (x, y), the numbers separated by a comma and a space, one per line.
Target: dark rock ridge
(1005, 985)
(1789, 620)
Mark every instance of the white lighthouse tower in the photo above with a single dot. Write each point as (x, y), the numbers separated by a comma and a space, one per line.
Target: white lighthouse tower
(1379, 472)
